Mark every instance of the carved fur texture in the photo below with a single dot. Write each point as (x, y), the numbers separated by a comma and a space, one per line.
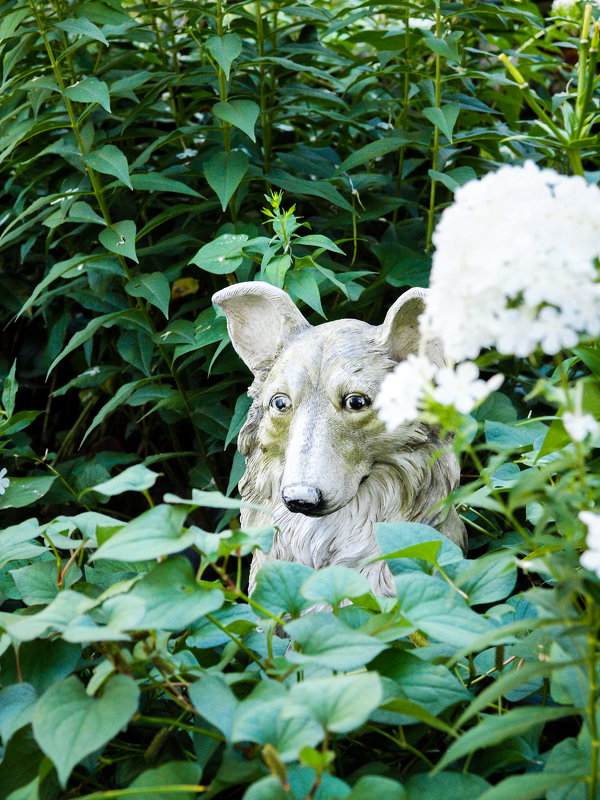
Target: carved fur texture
(318, 458)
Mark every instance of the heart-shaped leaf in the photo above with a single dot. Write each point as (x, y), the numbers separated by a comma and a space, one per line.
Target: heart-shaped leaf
(224, 172)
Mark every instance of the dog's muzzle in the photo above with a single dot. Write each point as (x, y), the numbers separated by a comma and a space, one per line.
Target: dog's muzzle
(303, 499)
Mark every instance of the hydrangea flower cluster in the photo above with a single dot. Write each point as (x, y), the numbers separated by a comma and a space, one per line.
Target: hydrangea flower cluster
(514, 266)
(569, 9)
(416, 382)
(590, 558)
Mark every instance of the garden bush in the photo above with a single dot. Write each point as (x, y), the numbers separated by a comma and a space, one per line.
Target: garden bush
(151, 153)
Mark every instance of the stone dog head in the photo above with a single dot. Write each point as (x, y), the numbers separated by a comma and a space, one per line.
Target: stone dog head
(313, 439)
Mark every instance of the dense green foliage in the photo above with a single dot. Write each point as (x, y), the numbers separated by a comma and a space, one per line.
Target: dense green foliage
(139, 144)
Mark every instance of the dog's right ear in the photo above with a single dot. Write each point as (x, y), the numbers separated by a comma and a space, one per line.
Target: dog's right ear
(260, 319)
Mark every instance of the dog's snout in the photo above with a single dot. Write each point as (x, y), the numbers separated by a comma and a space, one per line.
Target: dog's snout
(302, 499)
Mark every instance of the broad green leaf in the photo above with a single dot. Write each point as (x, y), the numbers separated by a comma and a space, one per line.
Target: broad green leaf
(173, 597)
(81, 26)
(268, 788)
(376, 149)
(42, 663)
(173, 773)
(224, 173)
(211, 500)
(304, 285)
(261, 718)
(328, 642)
(81, 211)
(529, 786)
(224, 49)
(494, 729)
(278, 587)
(319, 188)
(317, 240)
(570, 758)
(333, 584)
(133, 479)
(340, 703)
(275, 270)
(110, 161)
(37, 583)
(9, 392)
(119, 397)
(377, 787)
(66, 606)
(25, 491)
(445, 785)
(444, 117)
(90, 90)
(411, 540)
(119, 238)
(63, 269)
(241, 113)
(488, 579)
(221, 256)
(156, 533)
(17, 702)
(68, 725)
(514, 437)
(214, 701)
(153, 287)
(437, 609)
(410, 709)
(16, 542)
(157, 182)
(240, 413)
(432, 686)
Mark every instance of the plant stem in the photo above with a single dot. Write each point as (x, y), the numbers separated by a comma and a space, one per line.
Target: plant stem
(436, 130)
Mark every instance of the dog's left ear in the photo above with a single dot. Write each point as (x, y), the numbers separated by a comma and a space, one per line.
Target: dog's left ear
(401, 333)
(260, 320)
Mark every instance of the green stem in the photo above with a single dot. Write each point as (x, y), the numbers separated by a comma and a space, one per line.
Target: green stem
(595, 743)
(262, 75)
(403, 119)
(436, 130)
(223, 80)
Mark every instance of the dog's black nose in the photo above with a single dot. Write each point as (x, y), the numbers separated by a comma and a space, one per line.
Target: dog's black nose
(302, 499)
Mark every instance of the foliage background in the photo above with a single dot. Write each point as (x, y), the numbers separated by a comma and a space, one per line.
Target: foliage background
(137, 144)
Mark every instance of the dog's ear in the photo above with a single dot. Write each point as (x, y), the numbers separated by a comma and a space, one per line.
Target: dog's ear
(260, 319)
(401, 332)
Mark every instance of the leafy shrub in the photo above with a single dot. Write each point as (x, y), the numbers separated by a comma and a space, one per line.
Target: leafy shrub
(138, 145)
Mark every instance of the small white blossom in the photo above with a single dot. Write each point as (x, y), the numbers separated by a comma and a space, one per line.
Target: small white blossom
(570, 9)
(514, 266)
(4, 482)
(590, 558)
(403, 391)
(406, 390)
(578, 426)
(187, 153)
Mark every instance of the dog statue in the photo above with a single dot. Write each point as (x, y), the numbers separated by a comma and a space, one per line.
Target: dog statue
(317, 456)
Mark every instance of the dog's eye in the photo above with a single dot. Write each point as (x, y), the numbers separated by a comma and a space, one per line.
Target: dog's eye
(355, 402)
(281, 403)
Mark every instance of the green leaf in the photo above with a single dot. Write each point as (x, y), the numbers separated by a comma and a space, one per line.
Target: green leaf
(173, 597)
(410, 709)
(153, 287)
(488, 579)
(119, 397)
(268, 788)
(133, 479)
(240, 412)
(529, 786)
(494, 729)
(275, 270)
(437, 609)
(214, 701)
(81, 26)
(90, 90)
(119, 238)
(156, 533)
(110, 161)
(17, 702)
(333, 584)
(241, 113)
(37, 583)
(327, 641)
(444, 117)
(69, 268)
(319, 188)
(377, 787)
(25, 491)
(174, 773)
(83, 212)
(157, 182)
(221, 256)
(376, 149)
(304, 285)
(340, 703)
(278, 587)
(9, 392)
(68, 725)
(317, 240)
(224, 49)
(224, 172)
(445, 785)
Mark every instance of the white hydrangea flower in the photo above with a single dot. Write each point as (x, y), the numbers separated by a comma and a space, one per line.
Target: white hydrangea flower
(405, 391)
(590, 558)
(4, 482)
(570, 9)
(578, 426)
(514, 266)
